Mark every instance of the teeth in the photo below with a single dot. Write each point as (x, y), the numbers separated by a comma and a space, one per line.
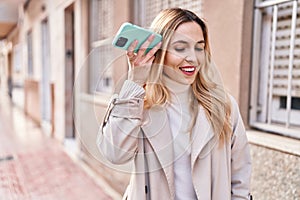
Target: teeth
(188, 69)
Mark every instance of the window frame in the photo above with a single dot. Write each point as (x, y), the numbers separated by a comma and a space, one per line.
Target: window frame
(287, 128)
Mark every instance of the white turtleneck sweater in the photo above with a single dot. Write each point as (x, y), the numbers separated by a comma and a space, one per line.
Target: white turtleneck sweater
(180, 118)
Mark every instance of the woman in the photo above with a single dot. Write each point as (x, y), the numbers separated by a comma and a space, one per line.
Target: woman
(183, 132)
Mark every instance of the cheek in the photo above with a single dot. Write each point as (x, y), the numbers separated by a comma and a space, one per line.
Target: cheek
(172, 60)
(201, 58)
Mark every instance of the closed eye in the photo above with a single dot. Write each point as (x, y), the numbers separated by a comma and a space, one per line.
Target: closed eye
(179, 49)
(199, 49)
(200, 46)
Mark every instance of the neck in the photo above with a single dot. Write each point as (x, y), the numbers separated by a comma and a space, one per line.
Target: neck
(174, 86)
(179, 93)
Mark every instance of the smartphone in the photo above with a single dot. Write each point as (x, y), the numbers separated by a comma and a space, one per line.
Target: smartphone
(129, 32)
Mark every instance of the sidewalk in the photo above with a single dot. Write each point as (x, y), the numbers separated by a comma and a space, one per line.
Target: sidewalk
(36, 167)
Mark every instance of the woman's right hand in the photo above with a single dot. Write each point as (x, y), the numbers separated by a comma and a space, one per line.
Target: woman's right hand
(140, 63)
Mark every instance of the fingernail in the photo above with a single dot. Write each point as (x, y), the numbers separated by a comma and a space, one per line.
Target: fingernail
(151, 36)
(159, 45)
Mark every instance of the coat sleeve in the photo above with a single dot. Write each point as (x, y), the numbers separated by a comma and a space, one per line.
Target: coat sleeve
(240, 158)
(118, 135)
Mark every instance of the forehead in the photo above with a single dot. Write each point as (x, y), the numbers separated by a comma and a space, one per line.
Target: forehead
(189, 31)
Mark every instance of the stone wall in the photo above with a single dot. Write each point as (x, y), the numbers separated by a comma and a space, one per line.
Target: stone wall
(275, 175)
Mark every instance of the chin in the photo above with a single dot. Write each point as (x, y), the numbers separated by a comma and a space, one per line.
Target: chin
(190, 80)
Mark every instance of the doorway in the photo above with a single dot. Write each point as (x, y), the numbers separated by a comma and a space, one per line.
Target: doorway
(45, 89)
(69, 72)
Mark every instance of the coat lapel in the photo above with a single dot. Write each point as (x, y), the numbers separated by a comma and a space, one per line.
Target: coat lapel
(202, 139)
(157, 131)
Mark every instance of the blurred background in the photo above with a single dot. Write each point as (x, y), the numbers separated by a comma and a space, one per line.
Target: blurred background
(58, 72)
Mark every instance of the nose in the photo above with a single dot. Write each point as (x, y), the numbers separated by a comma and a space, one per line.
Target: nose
(191, 57)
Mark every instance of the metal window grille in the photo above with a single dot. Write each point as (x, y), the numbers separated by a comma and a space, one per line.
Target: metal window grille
(101, 28)
(146, 10)
(275, 94)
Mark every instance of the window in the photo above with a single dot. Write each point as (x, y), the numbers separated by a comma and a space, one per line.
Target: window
(45, 93)
(101, 29)
(275, 93)
(145, 10)
(295, 103)
(17, 62)
(29, 54)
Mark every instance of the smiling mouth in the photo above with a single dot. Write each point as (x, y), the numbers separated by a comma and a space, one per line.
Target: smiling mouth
(188, 70)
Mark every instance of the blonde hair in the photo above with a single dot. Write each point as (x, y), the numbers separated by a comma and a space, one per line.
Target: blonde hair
(210, 95)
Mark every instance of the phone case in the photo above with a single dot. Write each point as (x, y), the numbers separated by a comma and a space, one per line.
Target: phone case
(129, 32)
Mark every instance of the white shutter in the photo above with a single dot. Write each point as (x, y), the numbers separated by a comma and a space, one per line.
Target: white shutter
(282, 48)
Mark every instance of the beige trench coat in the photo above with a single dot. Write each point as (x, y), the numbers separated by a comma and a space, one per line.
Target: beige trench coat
(218, 173)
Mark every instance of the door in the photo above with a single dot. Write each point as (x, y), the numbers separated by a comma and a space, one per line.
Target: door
(69, 71)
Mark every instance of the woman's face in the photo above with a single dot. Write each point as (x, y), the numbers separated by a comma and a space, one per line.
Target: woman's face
(185, 53)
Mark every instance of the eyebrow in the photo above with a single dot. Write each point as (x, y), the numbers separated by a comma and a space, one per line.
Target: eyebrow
(185, 42)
